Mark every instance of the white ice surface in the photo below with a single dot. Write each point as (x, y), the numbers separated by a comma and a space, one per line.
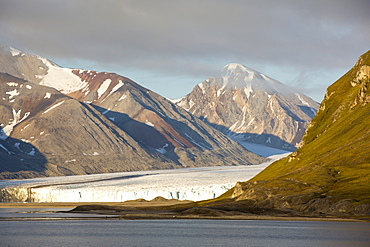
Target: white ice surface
(262, 150)
(184, 184)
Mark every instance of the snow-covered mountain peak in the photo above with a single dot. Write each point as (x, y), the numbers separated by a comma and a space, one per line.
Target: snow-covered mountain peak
(238, 76)
(237, 72)
(250, 106)
(237, 68)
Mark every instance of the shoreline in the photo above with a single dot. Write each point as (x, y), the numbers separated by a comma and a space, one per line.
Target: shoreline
(156, 217)
(133, 203)
(150, 210)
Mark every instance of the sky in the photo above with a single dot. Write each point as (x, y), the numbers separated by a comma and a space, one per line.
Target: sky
(170, 46)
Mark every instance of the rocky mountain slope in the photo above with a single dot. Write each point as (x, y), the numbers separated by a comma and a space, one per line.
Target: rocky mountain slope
(330, 173)
(104, 123)
(46, 133)
(249, 106)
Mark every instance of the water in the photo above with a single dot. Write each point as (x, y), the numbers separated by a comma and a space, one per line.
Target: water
(43, 213)
(183, 233)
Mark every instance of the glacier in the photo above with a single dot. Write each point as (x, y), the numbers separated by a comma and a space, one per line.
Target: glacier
(193, 184)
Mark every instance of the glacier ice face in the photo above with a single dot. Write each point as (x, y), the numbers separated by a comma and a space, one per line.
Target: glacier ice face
(183, 184)
(119, 194)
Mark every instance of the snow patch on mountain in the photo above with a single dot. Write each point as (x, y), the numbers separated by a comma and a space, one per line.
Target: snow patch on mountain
(175, 101)
(197, 144)
(248, 90)
(162, 150)
(306, 104)
(9, 153)
(147, 122)
(122, 97)
(12, 84)
(116, 87)
(178, 142)
(106, 111)
(201, 86)
(32, 152)
(191, 103)
(12, 93)
(104, 87)
(7, 130)
(14, 51)
(54, 106)
(61, 79)
(47, 95)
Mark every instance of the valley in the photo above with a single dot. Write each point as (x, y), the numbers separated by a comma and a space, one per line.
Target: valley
(129, 143)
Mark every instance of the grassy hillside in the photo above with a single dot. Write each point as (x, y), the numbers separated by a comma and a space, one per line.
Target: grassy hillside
(335, 156)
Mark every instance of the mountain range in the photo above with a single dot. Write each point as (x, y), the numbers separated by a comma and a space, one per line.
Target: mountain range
(247, 105)
(59, 121)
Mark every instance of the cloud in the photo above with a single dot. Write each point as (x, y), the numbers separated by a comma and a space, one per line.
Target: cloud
(191, 38)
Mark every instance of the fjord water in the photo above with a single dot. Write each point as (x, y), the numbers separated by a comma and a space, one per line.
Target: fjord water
(183, 233)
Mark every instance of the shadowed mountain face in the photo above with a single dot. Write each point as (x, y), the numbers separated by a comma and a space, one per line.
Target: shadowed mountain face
(89, 122)
(16, 155)
(249, 106)
(68, 137)
(20, 158)
(330, 172)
